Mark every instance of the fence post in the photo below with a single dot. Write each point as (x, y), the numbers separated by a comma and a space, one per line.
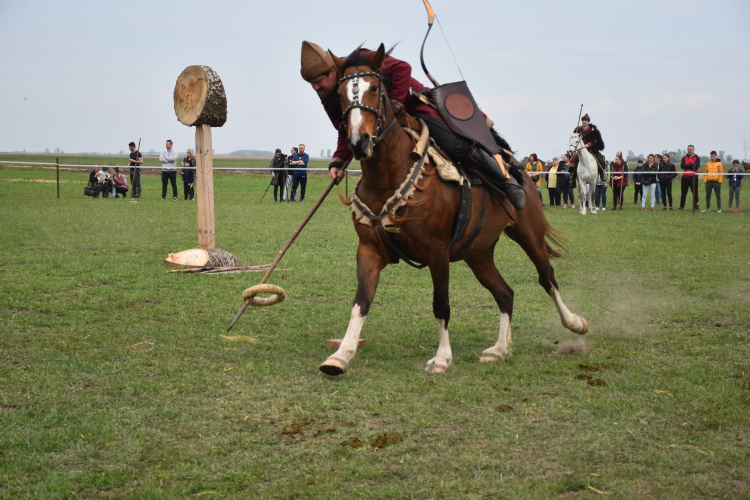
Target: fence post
(57, 163)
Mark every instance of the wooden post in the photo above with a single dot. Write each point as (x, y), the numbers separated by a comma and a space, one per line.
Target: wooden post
(57, 163)
(204, 182)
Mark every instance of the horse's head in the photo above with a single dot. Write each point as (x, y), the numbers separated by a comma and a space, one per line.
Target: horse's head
(363, 99)
(575, 142)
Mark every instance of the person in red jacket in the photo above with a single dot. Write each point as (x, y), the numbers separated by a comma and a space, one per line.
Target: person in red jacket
(318, 69)
(690, 165)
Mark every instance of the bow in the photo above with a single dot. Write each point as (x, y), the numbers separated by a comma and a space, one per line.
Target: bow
(430, 20)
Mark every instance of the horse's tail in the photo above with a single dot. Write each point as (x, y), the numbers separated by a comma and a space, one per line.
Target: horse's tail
(555, 240)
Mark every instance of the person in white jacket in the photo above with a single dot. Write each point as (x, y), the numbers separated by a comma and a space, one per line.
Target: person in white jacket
(168, 159)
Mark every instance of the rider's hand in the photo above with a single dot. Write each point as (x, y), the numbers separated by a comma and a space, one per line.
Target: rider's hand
(336, 174)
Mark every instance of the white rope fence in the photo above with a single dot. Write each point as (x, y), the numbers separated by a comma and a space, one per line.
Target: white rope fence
(260, 169)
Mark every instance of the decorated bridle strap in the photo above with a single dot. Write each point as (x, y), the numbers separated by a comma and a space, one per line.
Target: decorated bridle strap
(355, 92)
(400, 193)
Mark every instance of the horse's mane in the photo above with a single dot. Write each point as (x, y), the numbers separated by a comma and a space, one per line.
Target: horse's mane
(361, 57)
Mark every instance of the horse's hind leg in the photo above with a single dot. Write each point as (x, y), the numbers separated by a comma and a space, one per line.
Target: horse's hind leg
(536, 248)
(369, 265)
(484, 268)
(440, 271)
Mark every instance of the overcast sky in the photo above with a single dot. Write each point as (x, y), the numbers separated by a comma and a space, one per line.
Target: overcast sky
(653, 75)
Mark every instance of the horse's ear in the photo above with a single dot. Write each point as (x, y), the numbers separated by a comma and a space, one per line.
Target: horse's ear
(377, 59)
(338, 63)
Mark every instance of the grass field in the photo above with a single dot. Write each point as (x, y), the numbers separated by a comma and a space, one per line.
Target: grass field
(116, 382)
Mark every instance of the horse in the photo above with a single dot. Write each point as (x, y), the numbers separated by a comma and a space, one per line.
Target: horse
(425, 222)
(586, 172)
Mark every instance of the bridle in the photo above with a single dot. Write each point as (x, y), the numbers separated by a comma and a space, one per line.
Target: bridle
(578, 143)
(356, 104)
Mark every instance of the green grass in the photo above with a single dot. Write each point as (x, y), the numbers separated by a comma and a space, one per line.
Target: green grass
(115, 381)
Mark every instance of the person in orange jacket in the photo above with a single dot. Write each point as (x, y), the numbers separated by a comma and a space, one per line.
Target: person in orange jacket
(713, 182)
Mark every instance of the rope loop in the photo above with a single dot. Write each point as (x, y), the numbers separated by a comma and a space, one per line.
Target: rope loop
(277, 295)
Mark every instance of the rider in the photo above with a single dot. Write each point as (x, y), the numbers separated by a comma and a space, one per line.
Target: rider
(592, 140)
(318, 69)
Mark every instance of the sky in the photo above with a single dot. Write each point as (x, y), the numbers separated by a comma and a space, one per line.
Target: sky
(653, 75)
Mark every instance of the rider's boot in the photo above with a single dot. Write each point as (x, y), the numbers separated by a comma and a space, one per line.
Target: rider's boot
(483, 162)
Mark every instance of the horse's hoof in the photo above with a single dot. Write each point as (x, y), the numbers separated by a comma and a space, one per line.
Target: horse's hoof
(489, 357)
(585, 326)
(333, 367)
(435, 368)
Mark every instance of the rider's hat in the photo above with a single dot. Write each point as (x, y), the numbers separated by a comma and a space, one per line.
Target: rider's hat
(315, 61)
(586, 117)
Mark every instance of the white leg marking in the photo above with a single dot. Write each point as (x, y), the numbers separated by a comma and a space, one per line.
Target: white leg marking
(501, 350)
(355, 120)
(571, 321)
(348, 347)
(443, 359)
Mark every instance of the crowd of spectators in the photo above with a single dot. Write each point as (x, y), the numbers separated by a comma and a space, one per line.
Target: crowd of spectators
(289, 174)
(103, 182)
(651, 180)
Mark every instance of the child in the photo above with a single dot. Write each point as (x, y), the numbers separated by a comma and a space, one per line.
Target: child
(734, 184)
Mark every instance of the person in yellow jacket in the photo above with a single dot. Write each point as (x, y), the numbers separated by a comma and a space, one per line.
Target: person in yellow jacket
(534, 165)
(713, 182)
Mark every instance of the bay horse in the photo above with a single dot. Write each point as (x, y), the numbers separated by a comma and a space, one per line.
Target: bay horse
(425, 223)
(585, 173)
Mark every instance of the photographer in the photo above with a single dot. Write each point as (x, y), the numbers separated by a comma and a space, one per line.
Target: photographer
(278, 175)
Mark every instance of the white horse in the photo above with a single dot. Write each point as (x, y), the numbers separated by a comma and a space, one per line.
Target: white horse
(586, 173)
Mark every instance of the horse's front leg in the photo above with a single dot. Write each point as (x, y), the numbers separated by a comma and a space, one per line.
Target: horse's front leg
(582, 196)
(369, 265)
(440, 271)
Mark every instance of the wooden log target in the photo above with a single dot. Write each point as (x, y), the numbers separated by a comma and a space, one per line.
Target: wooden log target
(199, 97)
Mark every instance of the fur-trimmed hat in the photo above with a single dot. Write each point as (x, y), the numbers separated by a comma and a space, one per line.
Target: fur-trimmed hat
(586, 117)
(314, 61)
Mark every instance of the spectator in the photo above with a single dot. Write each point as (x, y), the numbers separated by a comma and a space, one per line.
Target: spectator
(658, 161)
(735, 181)
(600, 193)
(533, 166)
(569, 184)
(290, 177)
(554, 196)
(105, 181)
(278, 175)
(136, 158)
(188, 175)
(619, 181)
(92, 189)
(690, 164)
(713, 179)
(667, 172)
(119, 184)
(637, 182)
(300, 173)
(168, 159)
(648, 181)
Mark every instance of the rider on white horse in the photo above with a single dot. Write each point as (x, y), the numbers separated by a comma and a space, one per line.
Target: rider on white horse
(592, 139)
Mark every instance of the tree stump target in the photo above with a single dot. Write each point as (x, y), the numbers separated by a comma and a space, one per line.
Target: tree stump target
(199, 97)
(200, 102)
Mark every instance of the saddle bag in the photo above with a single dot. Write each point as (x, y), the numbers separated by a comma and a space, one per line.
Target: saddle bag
(460, 112)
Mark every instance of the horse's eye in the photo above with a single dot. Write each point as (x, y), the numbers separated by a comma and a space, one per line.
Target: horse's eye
(373, 90)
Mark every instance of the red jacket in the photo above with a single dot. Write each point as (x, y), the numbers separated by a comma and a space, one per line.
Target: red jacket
(399, 74)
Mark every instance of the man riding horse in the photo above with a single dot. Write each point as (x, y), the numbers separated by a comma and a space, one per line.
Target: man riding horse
(592, 140)
(318, 69)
